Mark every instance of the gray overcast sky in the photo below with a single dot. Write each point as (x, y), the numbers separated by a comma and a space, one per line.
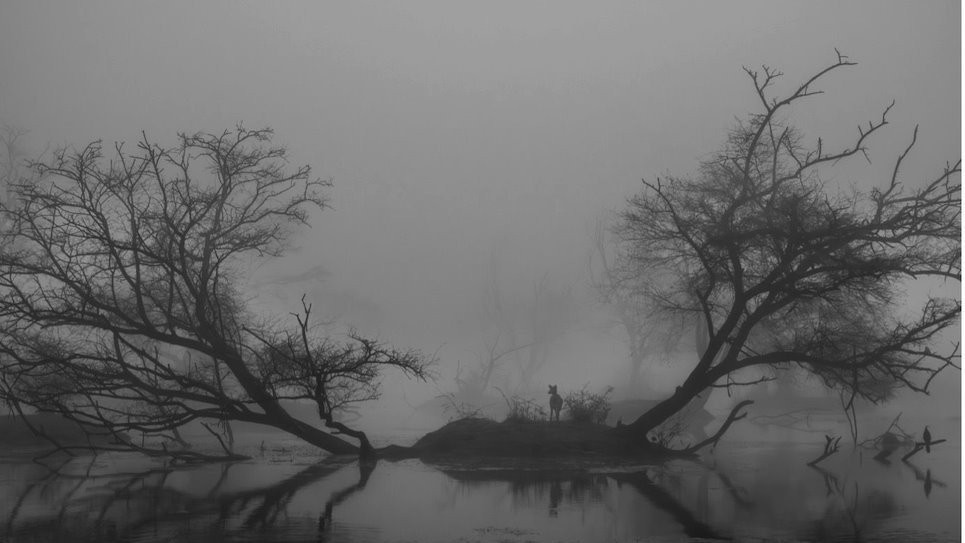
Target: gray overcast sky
(455, 131)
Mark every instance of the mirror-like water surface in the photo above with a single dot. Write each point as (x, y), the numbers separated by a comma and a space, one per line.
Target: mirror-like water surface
(743, 492)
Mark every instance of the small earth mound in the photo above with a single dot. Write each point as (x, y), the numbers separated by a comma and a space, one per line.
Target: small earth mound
(485, 437)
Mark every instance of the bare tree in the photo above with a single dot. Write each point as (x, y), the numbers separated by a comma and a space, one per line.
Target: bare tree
(757, 245)
(113, 265)
(298, 366)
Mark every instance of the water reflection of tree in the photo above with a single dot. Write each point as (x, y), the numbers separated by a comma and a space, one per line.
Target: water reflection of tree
(568, 487)
(77, 500)
(665, 501)
(122, 505)
(928, 482)
(42, 486)
(694, 496)
(849, 511)
(533, 487)
(697, 496)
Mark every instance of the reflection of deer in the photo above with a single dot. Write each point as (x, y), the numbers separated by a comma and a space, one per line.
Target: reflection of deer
(556, 403)
(556, 496)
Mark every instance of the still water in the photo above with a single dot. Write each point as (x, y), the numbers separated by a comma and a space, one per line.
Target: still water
(742, 492)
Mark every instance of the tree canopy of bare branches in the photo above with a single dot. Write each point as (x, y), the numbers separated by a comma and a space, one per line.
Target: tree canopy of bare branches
(119, 299)
(757, 245)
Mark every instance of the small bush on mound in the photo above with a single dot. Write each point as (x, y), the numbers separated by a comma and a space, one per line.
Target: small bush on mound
(523, 410)
(586, 406)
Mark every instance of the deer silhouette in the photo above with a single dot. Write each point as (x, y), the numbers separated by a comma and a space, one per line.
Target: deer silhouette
(556, 403)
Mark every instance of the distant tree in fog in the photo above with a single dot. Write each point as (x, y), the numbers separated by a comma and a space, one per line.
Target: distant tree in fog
(518, 331)
(551, 313)
(648, 329)
(114, 262)
(11, 162)
(785, 270)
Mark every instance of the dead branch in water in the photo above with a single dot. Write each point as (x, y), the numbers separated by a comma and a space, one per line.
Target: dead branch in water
(919, 445)
(731, 419)
(830, 447)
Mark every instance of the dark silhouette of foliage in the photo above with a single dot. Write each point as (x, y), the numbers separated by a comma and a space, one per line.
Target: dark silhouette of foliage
(785, 270)
(120, 304)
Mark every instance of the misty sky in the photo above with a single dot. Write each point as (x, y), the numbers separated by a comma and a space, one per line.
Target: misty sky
(464, 138)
